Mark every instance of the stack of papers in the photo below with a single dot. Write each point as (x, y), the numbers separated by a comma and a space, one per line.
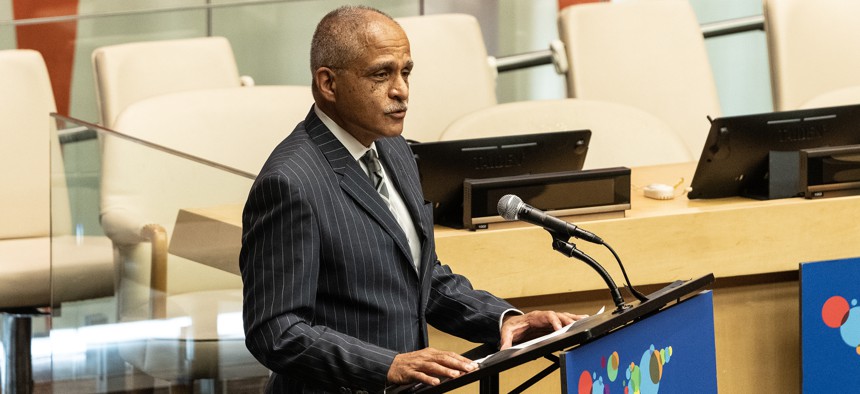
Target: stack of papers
(537, 340)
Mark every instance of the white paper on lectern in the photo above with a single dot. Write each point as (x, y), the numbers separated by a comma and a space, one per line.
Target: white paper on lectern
(539, 339)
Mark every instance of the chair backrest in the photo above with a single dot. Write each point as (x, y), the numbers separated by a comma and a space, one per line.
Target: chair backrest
(36, 243)
(452, 74)
(236, 127)
(26, 101)
(127, 73)
(621, 135)
(833, 98)
(648, 54)
(813, 48)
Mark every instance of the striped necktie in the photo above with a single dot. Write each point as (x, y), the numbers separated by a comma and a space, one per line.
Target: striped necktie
(374, 172)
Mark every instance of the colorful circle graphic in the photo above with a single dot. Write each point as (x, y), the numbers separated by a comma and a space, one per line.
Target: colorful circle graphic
(656, 368)
(850, 329)
(585, 383)
(612, 366)
(835, 312)
(634, 378)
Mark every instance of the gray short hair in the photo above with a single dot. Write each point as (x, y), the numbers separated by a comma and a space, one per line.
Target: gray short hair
(335, 43)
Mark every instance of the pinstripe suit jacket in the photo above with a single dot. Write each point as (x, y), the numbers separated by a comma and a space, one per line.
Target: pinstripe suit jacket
(330, 291)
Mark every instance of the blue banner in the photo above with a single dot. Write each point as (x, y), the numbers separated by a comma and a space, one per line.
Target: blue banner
(830, 326)
(670, 352)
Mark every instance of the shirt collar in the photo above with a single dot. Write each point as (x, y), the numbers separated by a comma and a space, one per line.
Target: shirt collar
(355, 148)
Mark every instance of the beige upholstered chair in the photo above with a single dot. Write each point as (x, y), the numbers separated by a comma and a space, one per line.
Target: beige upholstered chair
(453, 74)
(621, 135)
(236, 127)
(843, 96)
(813, 48)
(647, 54)
(127, 73)
(144, 189)
(26, 101)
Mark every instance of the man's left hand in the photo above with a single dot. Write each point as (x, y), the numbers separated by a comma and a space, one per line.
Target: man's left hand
(518, 328)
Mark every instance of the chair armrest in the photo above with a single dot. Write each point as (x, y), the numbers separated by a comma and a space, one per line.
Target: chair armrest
(123, 228)
(157, 237)
(121, 225)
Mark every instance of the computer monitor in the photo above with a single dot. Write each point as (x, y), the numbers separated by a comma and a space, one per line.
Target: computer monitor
(444, 165)
(734, 160)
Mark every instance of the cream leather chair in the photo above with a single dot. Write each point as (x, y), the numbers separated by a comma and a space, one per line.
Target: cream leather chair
(127, 73)
(844, 96)
(813, 48)
(26, 101)
(33, 208)
(648, 54)
(621, 135)
(142, 192)
(453, 74)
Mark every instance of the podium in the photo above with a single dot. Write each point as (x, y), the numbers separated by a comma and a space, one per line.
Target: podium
(672, 351)
(581, 333)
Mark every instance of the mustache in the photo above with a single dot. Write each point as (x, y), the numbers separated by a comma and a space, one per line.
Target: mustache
(396, 108)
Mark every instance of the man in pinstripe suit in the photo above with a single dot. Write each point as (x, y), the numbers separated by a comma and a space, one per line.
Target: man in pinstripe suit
(339, 268)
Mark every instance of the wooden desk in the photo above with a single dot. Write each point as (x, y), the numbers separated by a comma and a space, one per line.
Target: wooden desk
(211, 236)
(661, 241)
(752, 247)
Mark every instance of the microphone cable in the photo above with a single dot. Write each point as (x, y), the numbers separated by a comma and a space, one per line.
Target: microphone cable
(630, 288)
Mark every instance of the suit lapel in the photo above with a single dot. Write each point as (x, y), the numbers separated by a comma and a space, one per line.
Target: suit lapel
(399, 166)
(409, 190)
(354, 181)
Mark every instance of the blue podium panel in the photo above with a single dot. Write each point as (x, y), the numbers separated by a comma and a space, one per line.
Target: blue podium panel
(670, 352)
(830, 326)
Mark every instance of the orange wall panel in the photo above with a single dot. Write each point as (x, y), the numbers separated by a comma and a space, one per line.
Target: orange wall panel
(55, 41)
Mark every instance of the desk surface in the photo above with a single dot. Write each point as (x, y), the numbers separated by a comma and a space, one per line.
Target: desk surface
(658, 241)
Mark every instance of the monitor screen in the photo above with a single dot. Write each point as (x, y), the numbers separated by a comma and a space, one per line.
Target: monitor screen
(734, 160)
(444, 165)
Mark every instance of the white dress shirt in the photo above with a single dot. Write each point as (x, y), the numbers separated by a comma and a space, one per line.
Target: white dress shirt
(395, 201)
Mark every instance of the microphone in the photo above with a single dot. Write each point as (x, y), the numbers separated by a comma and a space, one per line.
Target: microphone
(512, 207)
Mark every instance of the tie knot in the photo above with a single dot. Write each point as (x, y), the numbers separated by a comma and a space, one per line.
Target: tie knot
(371, 160)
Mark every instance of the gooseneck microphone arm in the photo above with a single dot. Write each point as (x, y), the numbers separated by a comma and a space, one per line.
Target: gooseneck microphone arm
(561, 245)
(511, 207)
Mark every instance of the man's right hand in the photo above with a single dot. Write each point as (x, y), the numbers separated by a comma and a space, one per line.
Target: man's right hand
(427, 365)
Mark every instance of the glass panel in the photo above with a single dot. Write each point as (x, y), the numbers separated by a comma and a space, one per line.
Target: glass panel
(96, 8)
(93, 33)
(145, 284)
(266, 35)
(7, 32)
(272, 42)
(739, 61)
(527, 26)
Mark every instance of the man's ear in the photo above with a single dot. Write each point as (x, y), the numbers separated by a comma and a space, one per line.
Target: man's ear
(324, 78)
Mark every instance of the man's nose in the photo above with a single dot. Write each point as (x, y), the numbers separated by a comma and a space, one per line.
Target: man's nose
(399, 88)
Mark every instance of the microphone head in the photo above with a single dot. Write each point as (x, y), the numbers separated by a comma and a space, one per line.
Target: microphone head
(509, 206)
